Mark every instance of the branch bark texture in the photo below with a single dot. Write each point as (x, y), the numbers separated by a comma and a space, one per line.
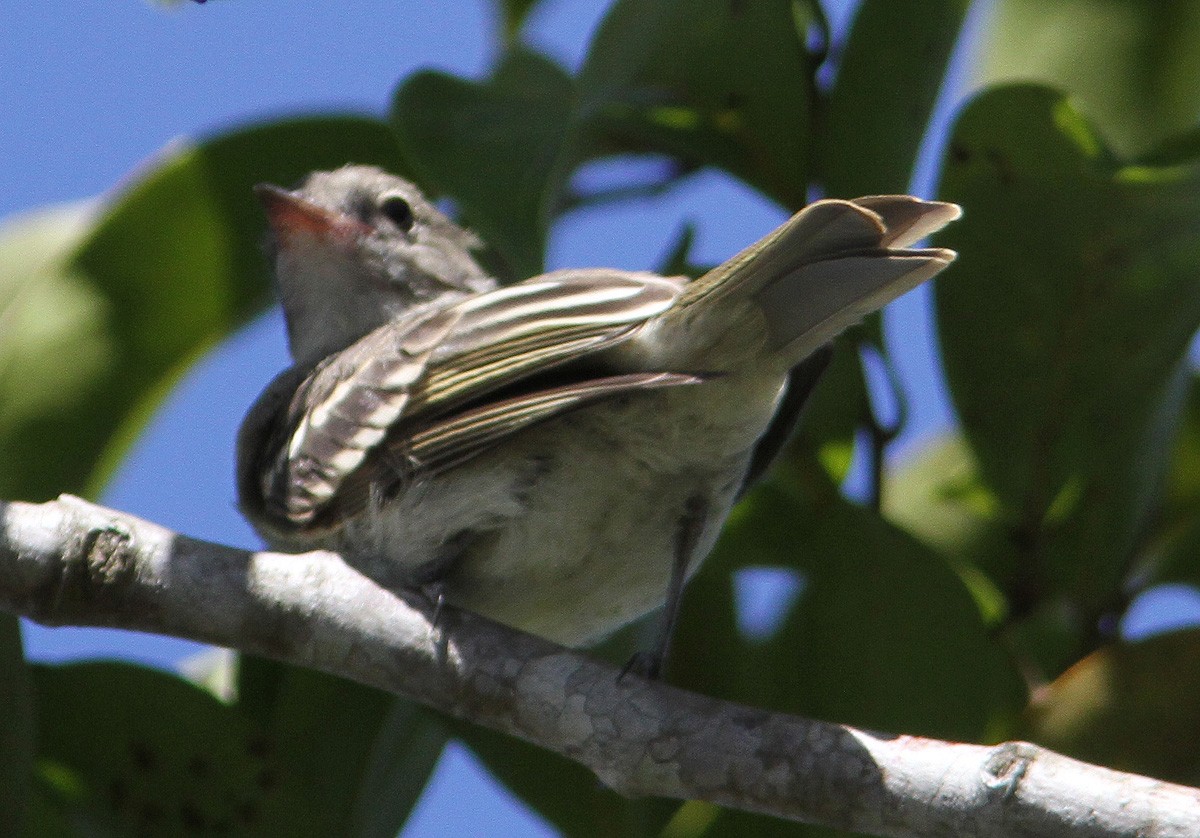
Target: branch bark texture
(69, 562)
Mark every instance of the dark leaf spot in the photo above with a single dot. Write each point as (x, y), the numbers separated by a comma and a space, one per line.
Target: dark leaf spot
(144, 758)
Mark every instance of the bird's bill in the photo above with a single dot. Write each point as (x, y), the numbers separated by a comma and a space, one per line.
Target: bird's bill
(293, 217)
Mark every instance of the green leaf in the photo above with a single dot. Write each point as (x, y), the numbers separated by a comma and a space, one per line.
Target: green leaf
(364, 755)
(258, 684)
(125, 746)
(360, 756)
(1063, 325)
(402, 757)
(1130, 706)
(564, 792)
(1133, 66)
(1172, 552)
(512, 16)
(735, 824)
(887, 83)
(714, 83)
(937, 496)
(678, 261)
(834, 411)
(16, 729)
(109, 306)
(882, 631)
(48, 312)
(131, 750)
(498, 148)
(46, 820)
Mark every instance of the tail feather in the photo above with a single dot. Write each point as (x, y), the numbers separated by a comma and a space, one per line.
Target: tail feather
(831, 265)
(818, 301)
(819, 231)
(908, 219)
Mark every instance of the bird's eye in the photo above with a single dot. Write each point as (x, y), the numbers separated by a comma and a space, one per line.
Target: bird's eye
(398, 211)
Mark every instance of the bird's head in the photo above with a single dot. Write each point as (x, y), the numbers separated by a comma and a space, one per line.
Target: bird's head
(355, 247)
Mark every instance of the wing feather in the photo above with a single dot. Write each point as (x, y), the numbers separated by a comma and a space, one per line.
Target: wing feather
(345, 409)
(459, 437)
(437, 447)
(396, 396)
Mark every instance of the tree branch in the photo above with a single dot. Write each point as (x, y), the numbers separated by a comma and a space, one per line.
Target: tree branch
(70, 562)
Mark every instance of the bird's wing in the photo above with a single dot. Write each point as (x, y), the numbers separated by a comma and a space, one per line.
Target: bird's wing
(421, 393)
(461, 435)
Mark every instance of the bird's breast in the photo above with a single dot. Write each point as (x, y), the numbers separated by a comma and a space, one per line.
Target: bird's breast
(602, 495)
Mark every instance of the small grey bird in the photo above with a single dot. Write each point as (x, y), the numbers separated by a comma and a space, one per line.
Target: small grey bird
(558, 454)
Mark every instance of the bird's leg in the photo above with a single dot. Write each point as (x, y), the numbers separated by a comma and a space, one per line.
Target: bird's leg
(429, 580)
(435, 594)
(689, 528)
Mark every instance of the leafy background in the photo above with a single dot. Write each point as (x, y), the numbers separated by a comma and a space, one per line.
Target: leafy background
(1022, 554)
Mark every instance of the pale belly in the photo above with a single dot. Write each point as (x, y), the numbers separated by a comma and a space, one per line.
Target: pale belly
(569, 530)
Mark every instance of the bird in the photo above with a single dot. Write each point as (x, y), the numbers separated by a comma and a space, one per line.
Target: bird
(558, 454)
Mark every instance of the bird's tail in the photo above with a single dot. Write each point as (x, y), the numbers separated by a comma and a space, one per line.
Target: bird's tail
(830, 265)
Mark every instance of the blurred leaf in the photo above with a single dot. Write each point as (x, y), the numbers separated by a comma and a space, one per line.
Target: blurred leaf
(885, 631)
(48, 313)
(213, 669)
(100, 320)
(882, 632)
(1063, 326)
(137, 751)
(735, 824)
(330, 758)
(498, 148)
(1130, 706)
(257, 686)
(678, 261)
(727, 84)
(562, 791)
(700, 819)
(835, 409)
(45, 819)
(937, 496)
(1179, 149)
(360, 756)
(887, 83)
(1174, 554)
(512, 16)
(404, 754)
(1133, 66)
(1048, 634)
(17, 726)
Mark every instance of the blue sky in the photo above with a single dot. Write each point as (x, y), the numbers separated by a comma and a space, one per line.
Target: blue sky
(94, 88)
